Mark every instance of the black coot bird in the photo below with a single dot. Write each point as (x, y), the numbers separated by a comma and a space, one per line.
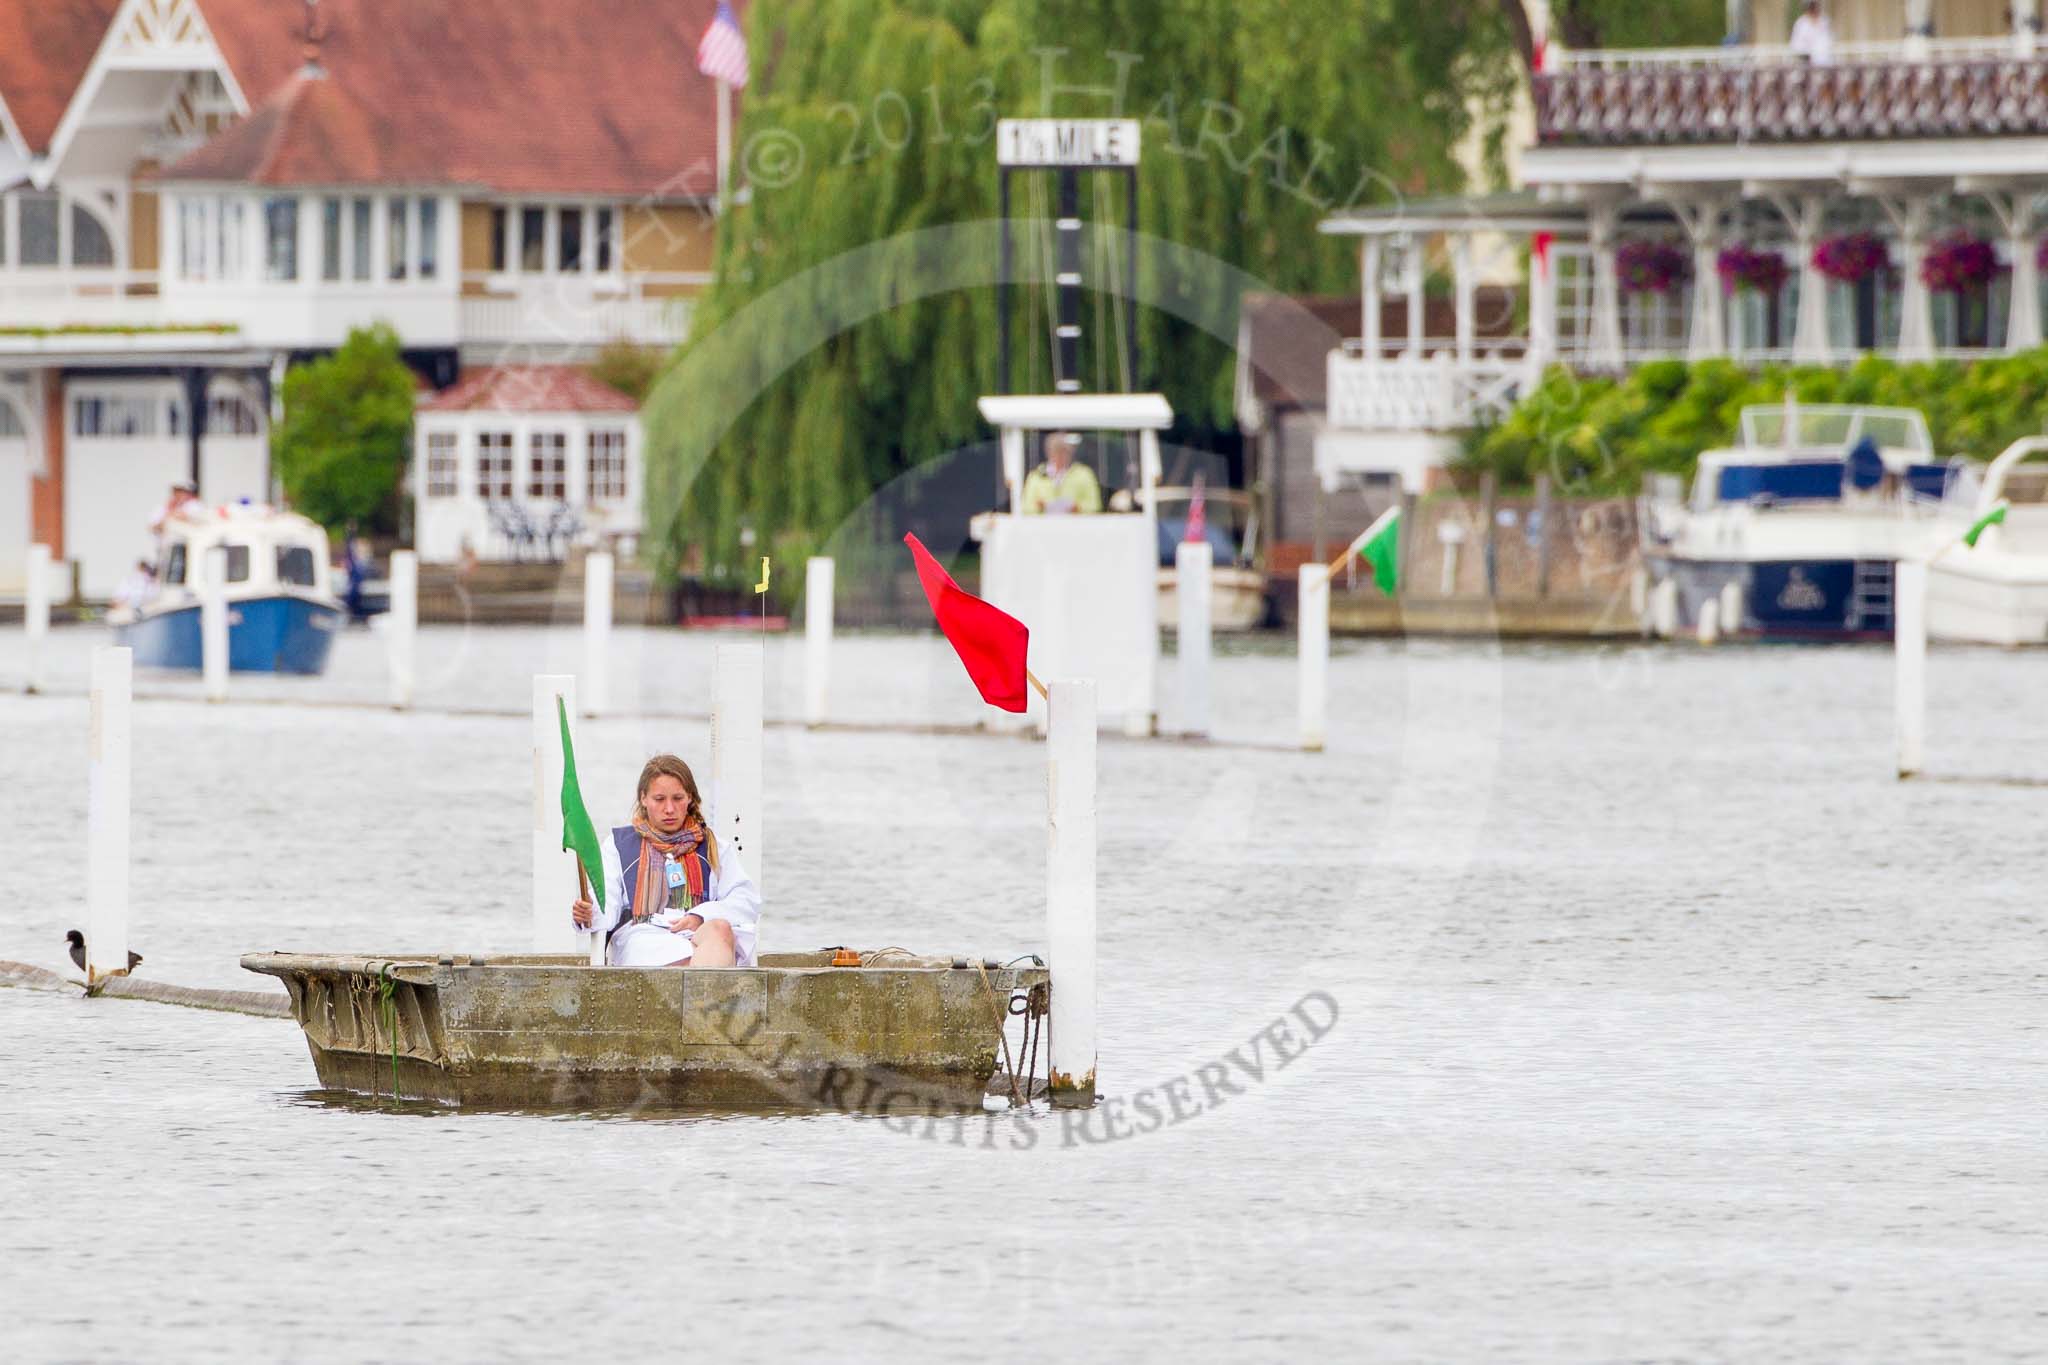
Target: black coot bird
(77, 942)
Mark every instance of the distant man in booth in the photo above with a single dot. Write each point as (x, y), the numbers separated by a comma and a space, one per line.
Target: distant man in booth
(1062, 484)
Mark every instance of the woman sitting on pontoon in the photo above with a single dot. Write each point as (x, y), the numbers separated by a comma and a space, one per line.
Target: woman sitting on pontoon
(672, 897)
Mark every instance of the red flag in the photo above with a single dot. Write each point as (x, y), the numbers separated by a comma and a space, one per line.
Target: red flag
(991, 643)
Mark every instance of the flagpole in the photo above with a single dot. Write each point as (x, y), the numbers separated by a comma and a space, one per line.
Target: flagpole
(724, 141)
(1033, 678)
(1337, 564)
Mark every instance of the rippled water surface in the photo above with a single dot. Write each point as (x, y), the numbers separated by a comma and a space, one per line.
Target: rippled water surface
(1671, 1026)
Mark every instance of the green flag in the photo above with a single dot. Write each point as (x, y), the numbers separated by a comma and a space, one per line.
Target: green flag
(1380, 544)
(1991, 518)
(577, 831)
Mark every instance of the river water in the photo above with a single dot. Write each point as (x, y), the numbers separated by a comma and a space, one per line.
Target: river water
(1668, 1025)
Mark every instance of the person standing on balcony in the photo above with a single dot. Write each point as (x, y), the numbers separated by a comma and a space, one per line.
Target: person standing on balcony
(1812, 39)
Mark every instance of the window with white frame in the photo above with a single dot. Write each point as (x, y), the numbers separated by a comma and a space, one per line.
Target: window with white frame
(443, 464)
(58, 229)
(547, 468)
(396, 255)
(281, 239)
(121, 416)
(233, 232)
(230, 414)
(360, 220)
(330, 239)
(430, 238)
(607, 464)
(10, 424)
(91, 247)
(192, 238)
(555, 239)
(41, 237)
(494, 465)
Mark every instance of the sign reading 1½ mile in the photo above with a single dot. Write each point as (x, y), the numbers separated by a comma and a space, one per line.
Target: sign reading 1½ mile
(1067, 142)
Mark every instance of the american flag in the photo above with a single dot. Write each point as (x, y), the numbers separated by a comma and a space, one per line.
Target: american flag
(722, 52)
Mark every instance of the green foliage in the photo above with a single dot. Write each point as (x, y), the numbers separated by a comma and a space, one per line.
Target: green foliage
(341, 449)
(1599, 436)
(630, 369)
(854, 320)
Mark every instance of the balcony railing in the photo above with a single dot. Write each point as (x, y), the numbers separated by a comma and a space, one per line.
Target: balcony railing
(1891, 51)
(1687, 98)
(544, 315)
(1437, 392)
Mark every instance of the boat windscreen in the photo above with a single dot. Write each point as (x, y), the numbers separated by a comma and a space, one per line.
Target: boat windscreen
(1836, 427)
(238, 563)
(174, 565)
(295, 565)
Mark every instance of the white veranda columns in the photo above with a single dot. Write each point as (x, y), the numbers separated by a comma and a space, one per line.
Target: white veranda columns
(2019, 215)
(1706, 335)
(1603, 344)
(1806, 218)
(1916, 318)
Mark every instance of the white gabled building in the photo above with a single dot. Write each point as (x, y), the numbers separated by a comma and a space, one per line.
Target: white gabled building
(1924, 131)
(196, 193)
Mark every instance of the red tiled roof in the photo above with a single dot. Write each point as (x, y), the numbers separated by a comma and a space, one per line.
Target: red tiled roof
(529, 388)
(45, 47)
(597, 97)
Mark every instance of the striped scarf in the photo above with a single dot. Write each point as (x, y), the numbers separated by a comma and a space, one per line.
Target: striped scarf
(686, 846)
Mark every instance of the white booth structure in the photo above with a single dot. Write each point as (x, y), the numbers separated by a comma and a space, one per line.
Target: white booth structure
(515, 461)
(1085, 585)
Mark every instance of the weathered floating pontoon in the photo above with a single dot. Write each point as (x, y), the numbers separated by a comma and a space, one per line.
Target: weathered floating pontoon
(553, 1032)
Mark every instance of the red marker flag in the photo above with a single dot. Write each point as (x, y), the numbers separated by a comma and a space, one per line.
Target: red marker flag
(991, 643)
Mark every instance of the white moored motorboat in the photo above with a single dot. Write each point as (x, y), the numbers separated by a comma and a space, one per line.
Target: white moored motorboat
(1996, 591)
(1794, 532)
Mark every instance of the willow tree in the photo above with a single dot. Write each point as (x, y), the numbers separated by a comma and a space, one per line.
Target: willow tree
(854, 318)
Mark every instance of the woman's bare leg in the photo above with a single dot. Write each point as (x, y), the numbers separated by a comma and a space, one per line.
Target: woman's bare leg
(715, 947)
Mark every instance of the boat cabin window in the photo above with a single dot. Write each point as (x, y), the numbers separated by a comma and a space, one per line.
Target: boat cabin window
(174, 565)
(1793, 481)
(295, 565)
(238, 563)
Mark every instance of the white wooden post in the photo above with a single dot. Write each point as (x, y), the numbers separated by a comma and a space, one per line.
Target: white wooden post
(107, 813)
(2026, 27)
(555, 883)
(1193, 588)
(736, 754)
(817, 639)
(36, 616)
(1369, 300)
(1909, 656)
(401, 625)
(1070, 888)
(1542, 310)
(1462, 282)
(1411, 271)
(597, 632)
(213, 622)
(1313, 639)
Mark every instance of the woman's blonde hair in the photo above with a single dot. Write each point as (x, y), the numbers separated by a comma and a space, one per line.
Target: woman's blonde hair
(668, 765)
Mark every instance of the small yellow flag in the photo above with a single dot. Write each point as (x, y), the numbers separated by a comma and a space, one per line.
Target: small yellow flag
(762, 586)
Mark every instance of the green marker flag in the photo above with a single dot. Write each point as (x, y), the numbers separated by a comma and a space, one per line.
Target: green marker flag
(1380, 544)
(1991, 518)
(577, 831)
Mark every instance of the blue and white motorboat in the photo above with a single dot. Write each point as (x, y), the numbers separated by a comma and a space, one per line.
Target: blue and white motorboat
(1795, 533)
(282, 612)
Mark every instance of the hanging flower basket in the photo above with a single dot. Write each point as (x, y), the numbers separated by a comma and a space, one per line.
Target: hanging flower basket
(1957, 263)
(1852, 258)
(1651, 267)
(1742, 267)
